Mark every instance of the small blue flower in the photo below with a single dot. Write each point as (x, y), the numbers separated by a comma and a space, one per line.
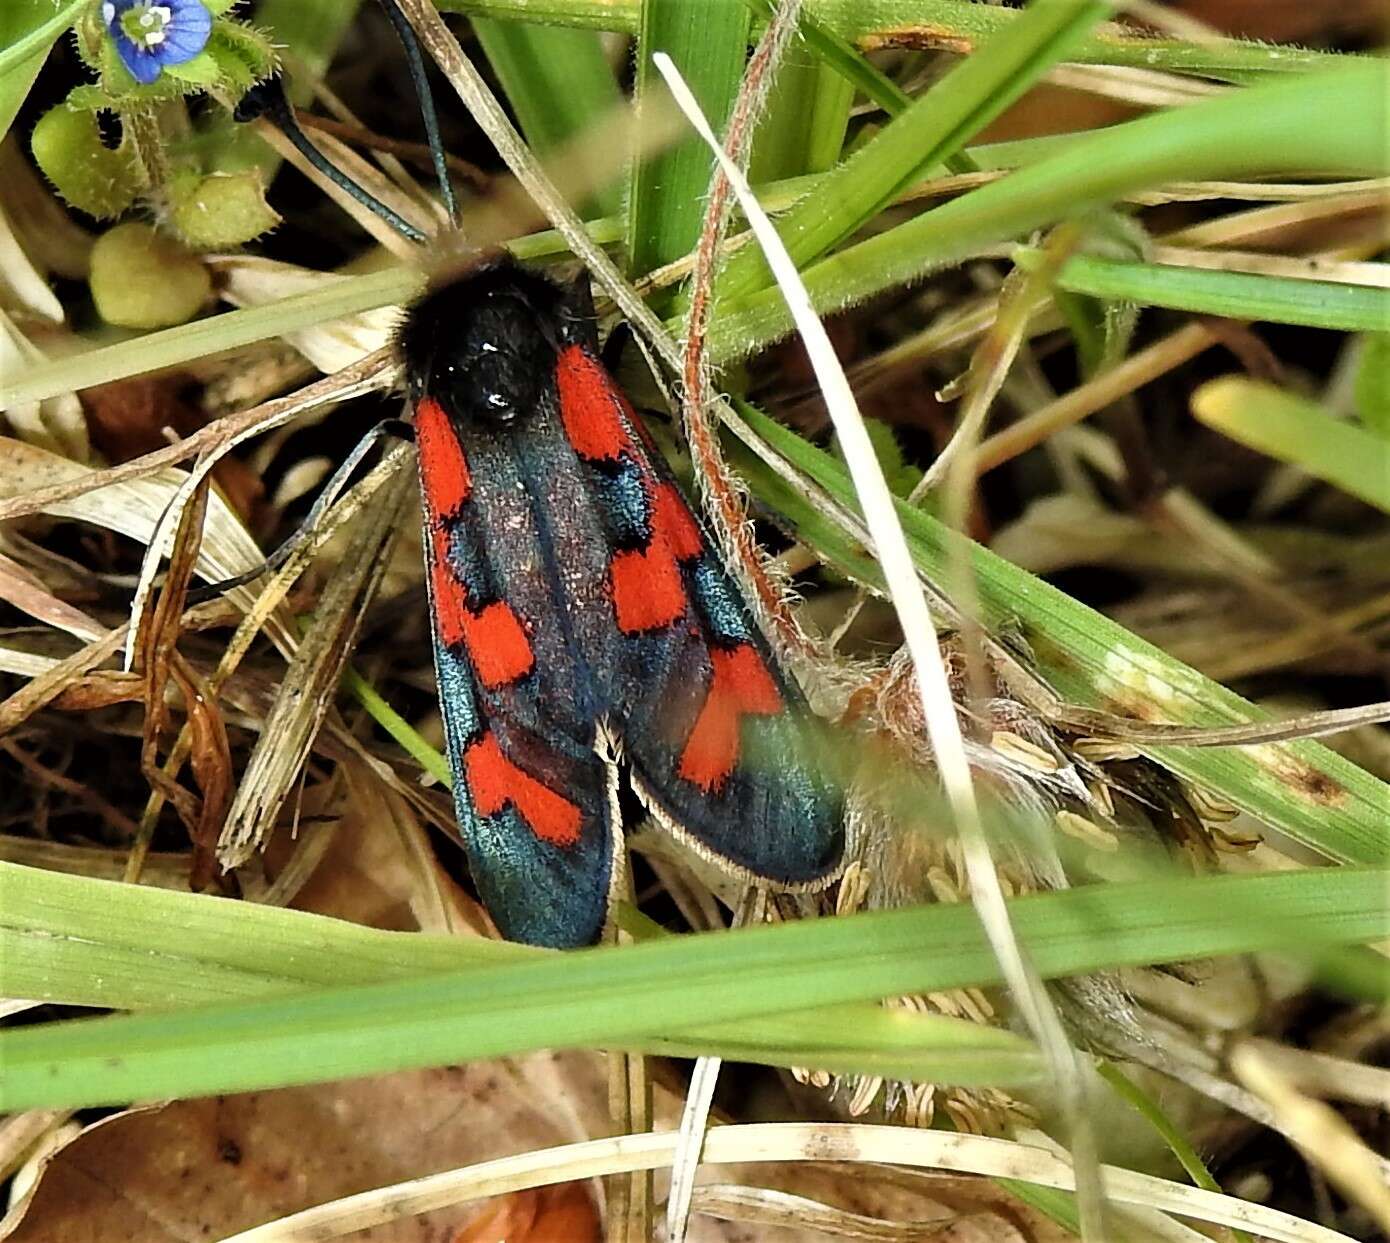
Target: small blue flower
(150, 34)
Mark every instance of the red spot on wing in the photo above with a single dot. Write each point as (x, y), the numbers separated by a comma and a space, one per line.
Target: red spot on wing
(647, 588)
(445, 478)
(497, 644)
(673, 521)
(494, 781)
(451, 609)
(646, 583)
(591, 406)
(740, 685)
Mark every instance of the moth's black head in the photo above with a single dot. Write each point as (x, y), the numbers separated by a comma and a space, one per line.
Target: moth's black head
(484, 346)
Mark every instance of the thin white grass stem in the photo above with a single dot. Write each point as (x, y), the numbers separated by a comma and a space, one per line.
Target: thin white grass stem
(776, 1141)
(690, 1145)
(699, 1098)
(919, 633)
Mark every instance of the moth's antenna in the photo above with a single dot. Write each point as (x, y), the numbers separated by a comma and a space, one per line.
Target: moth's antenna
(267, 99)
(416, 60)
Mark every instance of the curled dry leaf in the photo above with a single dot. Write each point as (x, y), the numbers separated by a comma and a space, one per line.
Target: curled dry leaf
(132, 507)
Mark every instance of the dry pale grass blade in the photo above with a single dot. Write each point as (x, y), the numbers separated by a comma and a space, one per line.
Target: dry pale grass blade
(919, 631)
(189, 497)
(761, 1206)
(306, 694)
(1023, 295)
(26, 593)
(49, 677)
(25, 664)
(391, 153)
(1311, 268)
(251, 280)
(59, 487)
(1173, 21)
(1325, 1075)
(10, 1006)
(19, 1133)
(169, 521)
(45, 231)
(55, 422)
(1225, 546)
(763, 1142)
(22, 286)
(1272, 227)
(132, 506)
(629, 1194)
(1145, 88)
(1205, 537)
(1226, 662)
(1320, 1133)
(266, 607)
(165, 869)
(1086, 399)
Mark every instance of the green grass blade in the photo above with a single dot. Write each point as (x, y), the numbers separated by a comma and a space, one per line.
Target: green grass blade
(77, 941)
(28, 28)
(962, 22)
(173, 347)
(803, 127)
(838, 54)
(666, 196)
(205, 337)
(559, 82)
(1302, 788)
(1261, 131)
(1152, 1113)
(610, 997)
(935, 127)
(1178, 1143)
(1371, 388)
(1235, 295)
(1299, 432)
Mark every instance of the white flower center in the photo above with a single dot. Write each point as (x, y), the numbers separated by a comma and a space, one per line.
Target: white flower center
(145, 24)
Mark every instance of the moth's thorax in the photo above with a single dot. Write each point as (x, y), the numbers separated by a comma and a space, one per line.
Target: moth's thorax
(485, 347)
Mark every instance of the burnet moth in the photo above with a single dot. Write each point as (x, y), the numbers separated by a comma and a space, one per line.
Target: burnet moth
(582, 616)
(584, 625)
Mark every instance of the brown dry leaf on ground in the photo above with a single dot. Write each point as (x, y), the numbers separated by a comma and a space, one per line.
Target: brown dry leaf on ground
(205, 1169)
(380, 869)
